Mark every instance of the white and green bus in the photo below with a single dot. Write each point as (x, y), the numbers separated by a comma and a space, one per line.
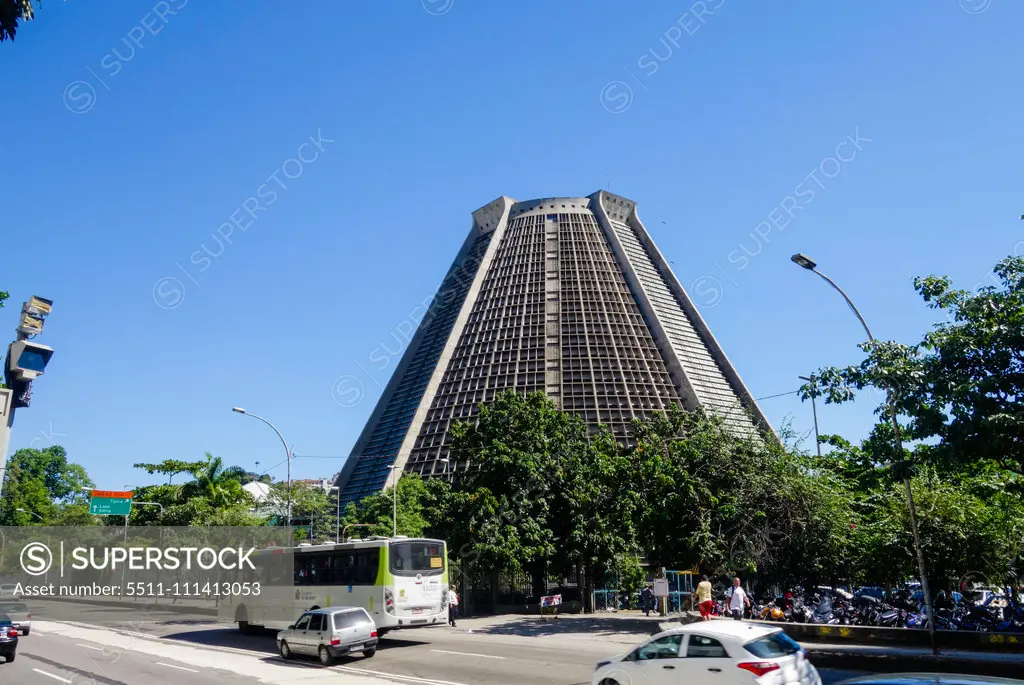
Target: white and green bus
(401, 582)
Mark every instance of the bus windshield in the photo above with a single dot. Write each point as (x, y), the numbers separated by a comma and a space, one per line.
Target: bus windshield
(417, 558)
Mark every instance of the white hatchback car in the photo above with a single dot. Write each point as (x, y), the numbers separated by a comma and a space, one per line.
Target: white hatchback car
(716, 652)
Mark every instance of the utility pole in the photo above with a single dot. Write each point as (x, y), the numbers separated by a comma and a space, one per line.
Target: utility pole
(24, 363)
(814, 408)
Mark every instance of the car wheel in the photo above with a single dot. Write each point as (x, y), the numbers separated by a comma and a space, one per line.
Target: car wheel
(326, 658)
(286, 651)
(26, 631)
(369, 652)
(10, 658)
(609, 681)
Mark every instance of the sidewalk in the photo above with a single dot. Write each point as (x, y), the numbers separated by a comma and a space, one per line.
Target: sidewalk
(200, 607)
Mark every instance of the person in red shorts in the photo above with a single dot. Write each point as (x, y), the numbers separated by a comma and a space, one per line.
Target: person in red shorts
(704, 598)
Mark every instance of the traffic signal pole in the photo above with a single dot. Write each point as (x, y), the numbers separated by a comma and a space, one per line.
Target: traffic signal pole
(6, 421)
(23, 363)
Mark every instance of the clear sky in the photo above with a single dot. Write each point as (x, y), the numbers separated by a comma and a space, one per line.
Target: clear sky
(133, 131)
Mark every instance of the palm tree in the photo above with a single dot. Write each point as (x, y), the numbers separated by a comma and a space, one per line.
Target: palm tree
(220, 486)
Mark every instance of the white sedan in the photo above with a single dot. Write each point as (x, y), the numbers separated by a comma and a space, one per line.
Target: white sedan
(716, 652)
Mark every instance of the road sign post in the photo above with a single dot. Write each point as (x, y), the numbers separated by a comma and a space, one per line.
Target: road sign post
(110, 503)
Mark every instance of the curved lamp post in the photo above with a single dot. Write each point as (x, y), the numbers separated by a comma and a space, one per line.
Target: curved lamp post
(809, 264)
(287, 451)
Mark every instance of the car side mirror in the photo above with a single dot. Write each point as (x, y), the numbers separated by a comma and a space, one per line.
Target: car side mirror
(291, 627)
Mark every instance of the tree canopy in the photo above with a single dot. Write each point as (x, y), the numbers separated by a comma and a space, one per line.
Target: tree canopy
(961, 387)
(12, 12)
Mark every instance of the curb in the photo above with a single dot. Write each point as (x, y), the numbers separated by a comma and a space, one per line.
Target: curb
(142, 606)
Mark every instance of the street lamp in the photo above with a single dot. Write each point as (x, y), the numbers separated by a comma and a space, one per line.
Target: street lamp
(287, 451)
(394, 496)
(814, 408)
(337, 523)
(31, 513)
(809, 264)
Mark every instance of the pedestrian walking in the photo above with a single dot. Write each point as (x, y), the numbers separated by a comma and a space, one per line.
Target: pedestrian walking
(737, 599)
(453, 606)
(704, 598)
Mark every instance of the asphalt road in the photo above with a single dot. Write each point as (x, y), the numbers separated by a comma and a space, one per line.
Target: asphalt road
(83, 645)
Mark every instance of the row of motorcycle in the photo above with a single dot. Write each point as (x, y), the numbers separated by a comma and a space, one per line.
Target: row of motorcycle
(953, 611)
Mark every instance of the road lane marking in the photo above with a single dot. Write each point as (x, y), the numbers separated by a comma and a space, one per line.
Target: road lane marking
(50, 675)
(395, 676)
(180, 668)
(482, 656)
(97, 649)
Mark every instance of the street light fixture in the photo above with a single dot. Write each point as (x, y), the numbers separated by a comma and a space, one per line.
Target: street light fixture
(30, 513)
(337, 523)
(804, 261)
(394, 496)
(814, 408)
(287, 451)
(809, 264)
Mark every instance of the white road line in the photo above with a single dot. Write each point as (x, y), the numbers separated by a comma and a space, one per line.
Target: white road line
(50, 675)
(395, 676)
(180, 668)
(97, 649)
(482, 656)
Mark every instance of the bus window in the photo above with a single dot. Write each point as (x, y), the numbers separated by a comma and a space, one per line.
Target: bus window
(367, 562)
(412, 558)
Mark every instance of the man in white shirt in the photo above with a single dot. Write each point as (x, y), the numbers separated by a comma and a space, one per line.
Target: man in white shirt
(453, 606)
(737, 599)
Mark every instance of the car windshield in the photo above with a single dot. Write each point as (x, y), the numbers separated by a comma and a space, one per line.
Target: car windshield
(13, 608)
(772, 646)
(413, 558)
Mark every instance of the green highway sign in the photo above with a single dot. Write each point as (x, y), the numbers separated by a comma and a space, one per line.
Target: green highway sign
(107, 503)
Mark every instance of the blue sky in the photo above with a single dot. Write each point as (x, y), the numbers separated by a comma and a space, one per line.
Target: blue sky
(134, 133)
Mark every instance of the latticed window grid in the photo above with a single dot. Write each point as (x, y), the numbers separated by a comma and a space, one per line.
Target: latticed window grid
(502, 343)
(709, 382)
(371, 471)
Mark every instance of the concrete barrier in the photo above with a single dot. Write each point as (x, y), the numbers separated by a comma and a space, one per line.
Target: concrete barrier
(914, 637)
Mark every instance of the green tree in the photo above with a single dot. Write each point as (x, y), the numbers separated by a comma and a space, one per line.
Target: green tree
(961, 386)
(43, 482)
(962, 533)
(172, 468)
(415, 500)
(11, 13)
(216, 484)
(513, 448)
(311, 506)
